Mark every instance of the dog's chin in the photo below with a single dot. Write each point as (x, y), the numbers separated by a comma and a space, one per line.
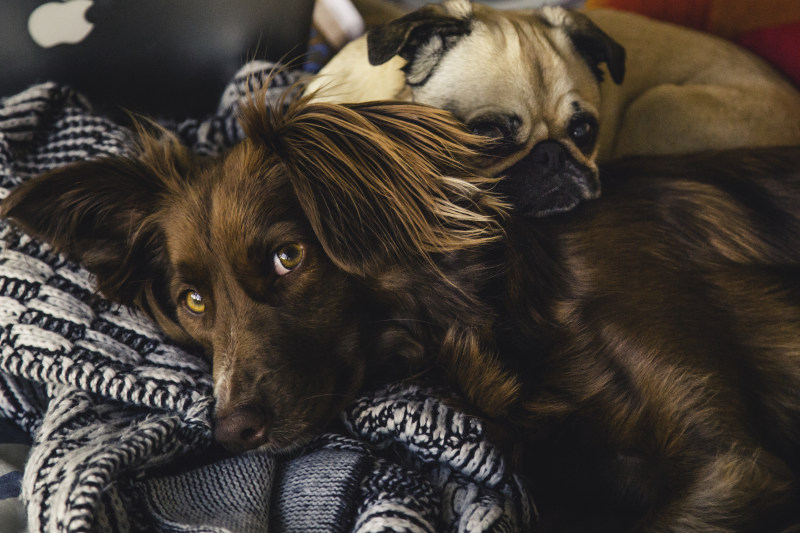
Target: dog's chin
(563, 196)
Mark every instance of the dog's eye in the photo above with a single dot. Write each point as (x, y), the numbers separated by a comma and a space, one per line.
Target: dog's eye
(583, 131)
(287, 258)
(193, 301)
(497, 127)
(489, 130)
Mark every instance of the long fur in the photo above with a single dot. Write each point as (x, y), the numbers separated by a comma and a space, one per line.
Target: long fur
(638, 357)
(363, 150)
(656, 336)
(382, 198)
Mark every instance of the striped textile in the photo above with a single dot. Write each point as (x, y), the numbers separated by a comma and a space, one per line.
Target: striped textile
(14, 448)
(120, 417)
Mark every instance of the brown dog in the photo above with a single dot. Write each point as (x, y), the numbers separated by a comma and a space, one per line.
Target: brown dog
(639, 356)
(656, 333)
(294, 261)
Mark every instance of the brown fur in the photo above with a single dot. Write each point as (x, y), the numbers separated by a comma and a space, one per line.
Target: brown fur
(656, 333)
(374, 215)
(639, 356)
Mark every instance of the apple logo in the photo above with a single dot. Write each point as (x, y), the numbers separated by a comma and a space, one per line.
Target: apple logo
(56, 23)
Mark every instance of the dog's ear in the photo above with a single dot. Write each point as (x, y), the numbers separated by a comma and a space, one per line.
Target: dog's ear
(99, 212)
(591, 42)
(381, 183)
(422, 37)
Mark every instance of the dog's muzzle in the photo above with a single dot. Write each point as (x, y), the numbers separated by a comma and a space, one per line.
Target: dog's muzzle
(549, 180)
(241, 430)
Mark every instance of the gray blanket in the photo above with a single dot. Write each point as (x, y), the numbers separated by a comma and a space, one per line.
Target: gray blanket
(120, 417)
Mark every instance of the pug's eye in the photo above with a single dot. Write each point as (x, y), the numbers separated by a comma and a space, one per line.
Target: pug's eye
(497, 127)
(287, 258)
(583, 132)
(194, 302)
(489, 130)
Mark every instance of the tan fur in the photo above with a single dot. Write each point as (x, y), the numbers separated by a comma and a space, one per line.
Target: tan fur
(683, 91)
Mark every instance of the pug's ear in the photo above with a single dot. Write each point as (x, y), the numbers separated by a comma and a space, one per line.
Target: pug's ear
(421, 38)
(593, 44)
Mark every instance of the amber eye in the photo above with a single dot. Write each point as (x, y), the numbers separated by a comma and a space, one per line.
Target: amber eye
(287, 258)
(194, 302)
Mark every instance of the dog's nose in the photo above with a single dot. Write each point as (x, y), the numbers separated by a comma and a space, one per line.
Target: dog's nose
(549, 180)
(243, 429)
(550, 155)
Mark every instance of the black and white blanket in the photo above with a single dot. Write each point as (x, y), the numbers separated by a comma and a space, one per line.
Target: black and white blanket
(120, 417)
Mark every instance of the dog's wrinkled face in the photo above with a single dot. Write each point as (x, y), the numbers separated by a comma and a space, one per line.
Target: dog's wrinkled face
(280, 259)
(526, 79)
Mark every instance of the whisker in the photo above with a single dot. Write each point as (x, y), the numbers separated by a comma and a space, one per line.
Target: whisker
(402, 320)
(327, 395)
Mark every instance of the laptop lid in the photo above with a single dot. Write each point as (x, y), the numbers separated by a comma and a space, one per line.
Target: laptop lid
(169, 58)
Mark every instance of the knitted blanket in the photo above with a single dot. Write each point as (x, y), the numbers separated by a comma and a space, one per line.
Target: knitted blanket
(120, 417)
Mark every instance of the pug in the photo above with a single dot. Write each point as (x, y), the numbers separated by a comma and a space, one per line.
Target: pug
(560, 90)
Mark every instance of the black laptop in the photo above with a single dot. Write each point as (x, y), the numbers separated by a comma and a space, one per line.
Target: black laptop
(170, 58)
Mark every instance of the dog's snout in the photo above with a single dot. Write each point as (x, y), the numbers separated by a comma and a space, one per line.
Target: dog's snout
(243, 429)
(550, 155)
(549, 180)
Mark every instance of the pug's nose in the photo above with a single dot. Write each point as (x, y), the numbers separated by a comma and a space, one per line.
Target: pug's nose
(549, 155)
(241, 430)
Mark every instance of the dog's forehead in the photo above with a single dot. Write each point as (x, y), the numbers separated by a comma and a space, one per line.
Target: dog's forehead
(251, 193)
(247, 167)
(511, 64)
(233, 205)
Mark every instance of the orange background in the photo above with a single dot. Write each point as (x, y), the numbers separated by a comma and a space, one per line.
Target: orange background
(728, 18)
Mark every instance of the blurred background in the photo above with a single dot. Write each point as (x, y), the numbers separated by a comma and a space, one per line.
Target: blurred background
(172, 58)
